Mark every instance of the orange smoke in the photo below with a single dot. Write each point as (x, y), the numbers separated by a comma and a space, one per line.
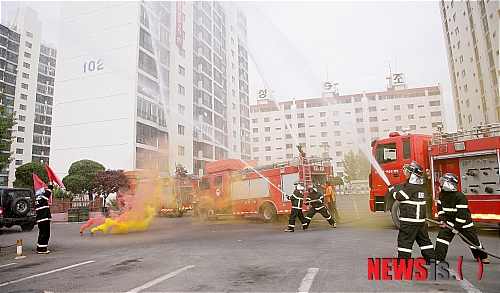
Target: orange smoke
(138, 212)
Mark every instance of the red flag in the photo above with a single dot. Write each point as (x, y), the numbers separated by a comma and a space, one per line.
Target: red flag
(38, 183)
(53, 177)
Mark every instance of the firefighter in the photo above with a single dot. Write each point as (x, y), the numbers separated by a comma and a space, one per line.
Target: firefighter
(453, 210)
(43, 217)
(296, 198)
(315, 198)
(331, 200)
(412, 214)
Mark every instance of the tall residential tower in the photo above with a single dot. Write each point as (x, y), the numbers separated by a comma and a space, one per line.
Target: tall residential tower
(155, 85)
(471, 31)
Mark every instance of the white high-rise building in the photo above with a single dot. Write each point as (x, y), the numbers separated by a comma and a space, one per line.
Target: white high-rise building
(333, 125)
(471, 31)
(34, 90)
(148, 85)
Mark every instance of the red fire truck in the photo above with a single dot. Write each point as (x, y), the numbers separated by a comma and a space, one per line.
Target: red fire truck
(472, 155)
(175, 194)
(241, 188)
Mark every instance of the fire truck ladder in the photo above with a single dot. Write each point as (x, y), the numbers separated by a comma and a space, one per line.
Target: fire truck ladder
(305, 171)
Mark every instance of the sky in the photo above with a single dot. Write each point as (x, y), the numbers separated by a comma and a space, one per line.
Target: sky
(294, 46)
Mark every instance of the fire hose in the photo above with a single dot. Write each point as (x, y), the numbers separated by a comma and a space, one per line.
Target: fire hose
(463, 237)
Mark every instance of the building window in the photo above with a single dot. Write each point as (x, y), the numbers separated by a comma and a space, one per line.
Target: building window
(181, 90)
(21, 118)
(434, 103)
(301, 125)
(22, 107)
(182, 71)
(180, 109)
(255, 120)
(267, 138)
(361, 130)
(24, 86)
(336, 123)
(322, 114)
(267, 129)
(28, 44)
(397, 107)
(27, 55)
(255, 139)
(397, 118)
(358, 110)
(268, 148)
(411, 106)
(268, 158)
(338, 143)
(19, 151)
(255, 149)
(435, 113)
(29, 34)
(255, 130)
(182, 52)
(180, 129)
(20, 139)
(302, 134)
(335, 113)
(373, 129)
(336, 133)
(372, 109)
(358, 120)
(26, 65)
(300, 115)
(324, 134)
(19, 162)
(323, 124)
(373, 119)
(411, 116)
(339, 164)
(266, 119)
(180, 150)
(24, 96)
(21, 128)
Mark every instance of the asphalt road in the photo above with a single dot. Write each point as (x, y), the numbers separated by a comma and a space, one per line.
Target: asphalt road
(232, 255)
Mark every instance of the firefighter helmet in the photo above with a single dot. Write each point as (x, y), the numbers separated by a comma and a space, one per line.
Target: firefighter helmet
(414, 168)
(449, 182)
(313, 187)
(298, 182)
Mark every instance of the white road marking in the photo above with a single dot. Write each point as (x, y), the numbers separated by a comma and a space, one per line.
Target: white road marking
(161, 279)
(46, 273)
(464, 283)
(308, 279)
(9, 264)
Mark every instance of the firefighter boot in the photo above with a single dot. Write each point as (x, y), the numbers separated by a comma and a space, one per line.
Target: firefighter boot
(485, 261)
(289, 230)
(334, 225)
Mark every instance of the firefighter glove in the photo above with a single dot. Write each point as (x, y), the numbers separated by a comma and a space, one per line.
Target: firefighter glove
(442, 224)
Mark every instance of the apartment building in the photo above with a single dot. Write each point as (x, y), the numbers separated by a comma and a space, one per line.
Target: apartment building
(29, 74)
(471, 31)
(332, 125)
(158, 84)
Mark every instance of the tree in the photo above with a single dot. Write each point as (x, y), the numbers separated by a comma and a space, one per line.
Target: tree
(24, 174)
(110, 181)
(7, 121)
(337, 180)
(356, 166)
(80, 176)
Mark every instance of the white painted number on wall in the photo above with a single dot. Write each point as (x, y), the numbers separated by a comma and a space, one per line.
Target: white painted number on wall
(92, 65)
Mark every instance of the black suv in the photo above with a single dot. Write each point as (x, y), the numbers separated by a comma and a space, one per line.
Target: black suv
(17, 207)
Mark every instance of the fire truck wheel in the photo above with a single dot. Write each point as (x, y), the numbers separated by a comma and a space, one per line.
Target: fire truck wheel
(395, 213)
(268, 212)
(211, 214)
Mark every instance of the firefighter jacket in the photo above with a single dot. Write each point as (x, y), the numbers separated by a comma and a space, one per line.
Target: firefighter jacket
(454, 210)
(329, 196)
(317, 197)
(42, 209)
(412, 203)
(296, 198)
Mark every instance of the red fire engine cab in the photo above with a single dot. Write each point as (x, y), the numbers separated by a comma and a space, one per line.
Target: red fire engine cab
(241, 188)
(473, 156)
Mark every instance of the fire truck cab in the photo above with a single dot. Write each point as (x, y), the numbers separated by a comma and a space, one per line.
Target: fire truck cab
(241, 188)
(471, 155)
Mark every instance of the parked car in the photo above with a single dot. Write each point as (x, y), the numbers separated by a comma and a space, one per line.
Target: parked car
(17, 207)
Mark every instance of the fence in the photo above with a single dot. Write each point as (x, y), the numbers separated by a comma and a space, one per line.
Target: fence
(63, 206)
